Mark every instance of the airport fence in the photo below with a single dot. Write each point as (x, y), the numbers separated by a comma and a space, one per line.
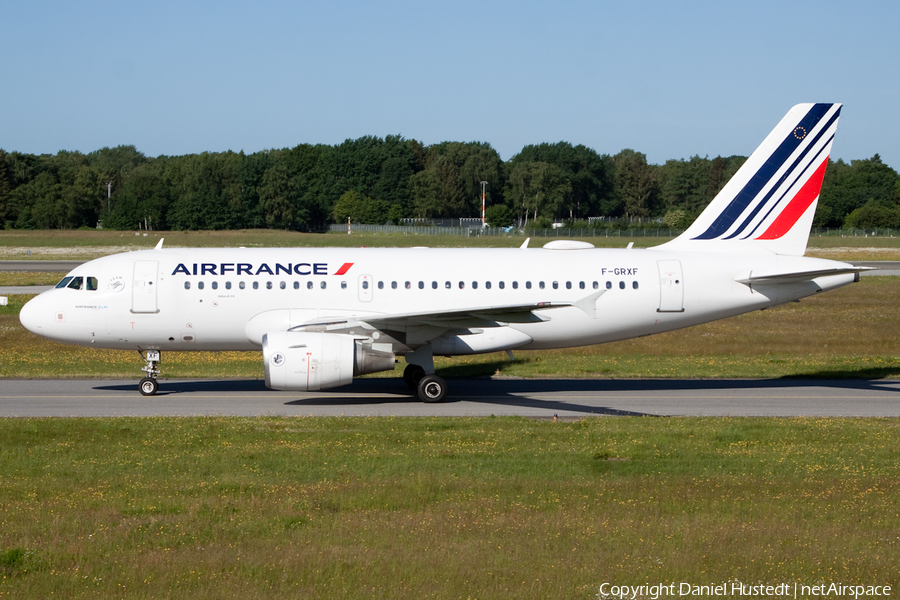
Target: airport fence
(575, 232)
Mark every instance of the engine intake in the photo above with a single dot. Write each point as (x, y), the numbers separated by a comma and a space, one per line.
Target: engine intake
(303, 361)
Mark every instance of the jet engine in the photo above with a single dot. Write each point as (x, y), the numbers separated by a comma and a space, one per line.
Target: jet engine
(303, 361)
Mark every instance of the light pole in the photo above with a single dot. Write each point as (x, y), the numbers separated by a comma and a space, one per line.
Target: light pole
(483, 183)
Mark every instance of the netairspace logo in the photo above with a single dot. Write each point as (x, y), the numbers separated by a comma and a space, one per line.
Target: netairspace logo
(736, 589)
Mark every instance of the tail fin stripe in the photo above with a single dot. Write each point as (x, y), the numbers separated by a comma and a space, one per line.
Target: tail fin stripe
(814, 145)
(797, 206)
(811, 166)
(743, 199)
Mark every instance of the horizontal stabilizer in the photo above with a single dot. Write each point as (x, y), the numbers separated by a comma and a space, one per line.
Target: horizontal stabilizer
(797, 276)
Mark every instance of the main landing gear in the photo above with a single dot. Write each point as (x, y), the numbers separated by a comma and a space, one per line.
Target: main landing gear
(148, 385)
(419, 375)
(429, 388)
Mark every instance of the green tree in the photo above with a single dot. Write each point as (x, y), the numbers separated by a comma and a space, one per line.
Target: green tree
(847, 187)
(588, 173)
(143, 200)
(538, 189)
(498, 215)
(874, 215)
(635, 183)
(279, 196)
(5, 188)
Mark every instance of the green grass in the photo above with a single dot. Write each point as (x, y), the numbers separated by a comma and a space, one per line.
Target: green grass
(440, 508)
(850, 332)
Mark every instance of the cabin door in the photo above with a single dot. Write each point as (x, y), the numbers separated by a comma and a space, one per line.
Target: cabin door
(671, 286)
(143, 287)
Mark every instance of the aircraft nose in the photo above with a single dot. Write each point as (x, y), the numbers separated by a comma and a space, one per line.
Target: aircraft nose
(30, 316)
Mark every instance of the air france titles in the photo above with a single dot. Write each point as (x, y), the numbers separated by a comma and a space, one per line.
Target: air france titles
(251, 269)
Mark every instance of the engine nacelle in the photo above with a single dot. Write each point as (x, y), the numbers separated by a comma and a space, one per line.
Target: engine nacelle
(302, 361)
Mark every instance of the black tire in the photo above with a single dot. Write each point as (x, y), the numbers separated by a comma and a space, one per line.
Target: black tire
(412, 375)
(148, 386)
(432, 389)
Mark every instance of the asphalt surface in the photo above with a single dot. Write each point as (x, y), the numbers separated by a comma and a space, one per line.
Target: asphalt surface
(538, 398)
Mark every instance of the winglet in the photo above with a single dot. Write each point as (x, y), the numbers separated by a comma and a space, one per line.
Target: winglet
(159, 244)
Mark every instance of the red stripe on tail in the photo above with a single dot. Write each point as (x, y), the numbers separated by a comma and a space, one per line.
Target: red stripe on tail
(797, 206)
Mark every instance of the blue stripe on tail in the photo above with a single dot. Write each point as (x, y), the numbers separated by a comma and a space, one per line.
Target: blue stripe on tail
(765, 173)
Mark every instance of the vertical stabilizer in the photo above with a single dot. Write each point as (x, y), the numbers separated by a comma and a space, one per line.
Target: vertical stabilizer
(770, 202)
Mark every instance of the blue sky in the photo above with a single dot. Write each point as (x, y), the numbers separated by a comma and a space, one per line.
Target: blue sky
(670, 79)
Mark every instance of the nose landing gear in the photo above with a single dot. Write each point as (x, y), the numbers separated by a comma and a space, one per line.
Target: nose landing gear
(148, 385)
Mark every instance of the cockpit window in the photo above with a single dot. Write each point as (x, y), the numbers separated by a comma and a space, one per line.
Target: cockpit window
(91, 284)
(65, 281)
(76, 283)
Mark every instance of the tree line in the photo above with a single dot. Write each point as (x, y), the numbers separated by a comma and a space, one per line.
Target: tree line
(383, 180)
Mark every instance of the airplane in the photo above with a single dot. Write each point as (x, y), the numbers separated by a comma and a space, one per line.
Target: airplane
(324, 315)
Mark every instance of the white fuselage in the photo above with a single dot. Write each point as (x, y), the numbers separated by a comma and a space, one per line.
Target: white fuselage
(227, 299)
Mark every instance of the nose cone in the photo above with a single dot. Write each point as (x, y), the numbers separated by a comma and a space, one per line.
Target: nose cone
(30, 316)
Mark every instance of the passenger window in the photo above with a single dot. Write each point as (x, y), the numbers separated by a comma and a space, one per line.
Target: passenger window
(541, 285)
(64, 283)
(282, 285)
(596, 285)
(255, 285)
(434, 285)
(215, 285)
(227, 285)
(447, 285)
(501, 285)
(568, 285)
(343, 285)
(421, 285)
(581, 285)
(380, 285)
(76, 283)
(199, 285)
(621, 285)
(515, 285)
(91, 284)
(609, 285)
(309, 285)
(634, 284)
(408, 285)
(527, 285)
(242, 285)
(268, 285)
(487, 285)
(474, 285)
(462, 285)
(393, 285)
(323, 285)
(187, 285)
(365, 284)
(555, 285)
(296, 285)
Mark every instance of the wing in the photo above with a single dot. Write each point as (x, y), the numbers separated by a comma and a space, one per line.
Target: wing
(420, 327)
